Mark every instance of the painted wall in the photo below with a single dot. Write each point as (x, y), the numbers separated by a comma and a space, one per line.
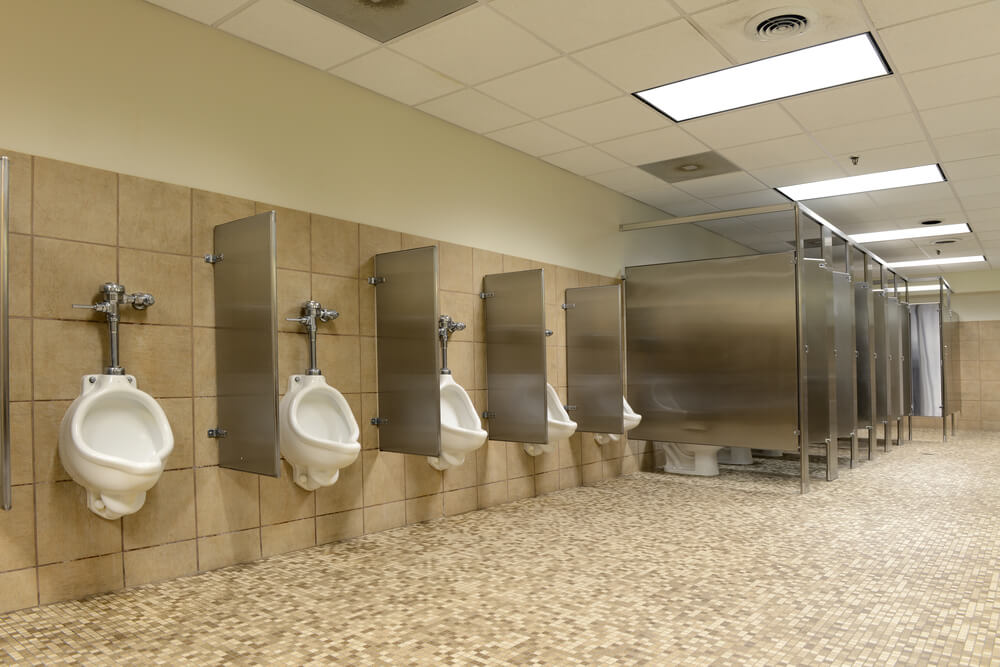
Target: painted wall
(129, 87)
(977, 306)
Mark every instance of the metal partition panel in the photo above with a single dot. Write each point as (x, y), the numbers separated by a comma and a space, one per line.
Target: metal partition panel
(905, 360)
(594, 357)
(246, 345)
(951, 379)
(515, 356)
(864, 312)
(894, 337)
(846, 358)
(820, 367)
(5, 444)
(925, 355)
(408, 354)
(712, 351)
(880, 357)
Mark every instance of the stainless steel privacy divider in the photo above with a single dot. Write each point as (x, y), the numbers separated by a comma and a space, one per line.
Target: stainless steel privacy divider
(5, 444)
(594, 358)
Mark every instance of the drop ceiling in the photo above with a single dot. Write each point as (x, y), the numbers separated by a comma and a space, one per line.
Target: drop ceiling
(554, 79)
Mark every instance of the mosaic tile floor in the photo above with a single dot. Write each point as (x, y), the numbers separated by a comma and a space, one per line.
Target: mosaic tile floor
(897, 562)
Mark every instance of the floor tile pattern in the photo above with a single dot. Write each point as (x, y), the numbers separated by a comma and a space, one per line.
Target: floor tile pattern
(895, 563)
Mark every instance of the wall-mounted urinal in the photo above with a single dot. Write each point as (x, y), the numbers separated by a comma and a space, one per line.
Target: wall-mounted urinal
(114, 438)
(461, 429)
(319, 434)
(560, 426)
(630, 419)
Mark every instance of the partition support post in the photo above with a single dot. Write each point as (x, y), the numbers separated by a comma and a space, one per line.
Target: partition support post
(899, 431)
(953, 423)
(871, 442)
(855, 457)
(832, 459)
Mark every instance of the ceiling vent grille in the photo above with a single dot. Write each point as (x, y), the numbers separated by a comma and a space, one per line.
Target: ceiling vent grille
(781, 23)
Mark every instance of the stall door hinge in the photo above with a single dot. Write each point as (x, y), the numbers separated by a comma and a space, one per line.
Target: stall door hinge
(567, 306)
(488, 415)
(487, 295)
(217, 432)
(379, 421)
(214, 259)
(375, 280)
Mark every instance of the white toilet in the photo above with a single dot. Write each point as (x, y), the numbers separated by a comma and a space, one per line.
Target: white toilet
(113, 441)
(560, 426)
(736, 456)
(630, 418)
(319, 434)
(686, 459)
(461, 430)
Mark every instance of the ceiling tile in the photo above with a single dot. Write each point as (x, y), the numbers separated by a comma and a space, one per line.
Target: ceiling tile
(964, 170)
(963, 118)
(967, 146)
(206, 11)
(852, 103)
(985, 220)
(571, 25)
(747, 200)
(903, 129)
(474, 46)
(550, 88)
(653, 57)
(939, 193)
(952, 84)
(609, 120)
(692, 6)
(888, 12)
(584, 161)
(743, 126)
(977, 186)
(390, 74)
(799, 172)
(662, 144)
(668, 198)
(291, 29)
(858, 208)
(474, 111)
(981, 201)
(535, 138)
(721, 185)
(890, 157)
(627, 179)
(945, 38)
(794, 148)
(833, 19)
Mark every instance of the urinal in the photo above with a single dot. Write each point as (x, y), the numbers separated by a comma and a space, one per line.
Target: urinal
(461, 430)
(113, 441)
(560, 426)
(319, 434)
(318, 431)
(630, 419)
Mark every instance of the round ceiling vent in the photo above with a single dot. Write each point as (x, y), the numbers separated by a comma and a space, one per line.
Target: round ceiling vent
(781, 23)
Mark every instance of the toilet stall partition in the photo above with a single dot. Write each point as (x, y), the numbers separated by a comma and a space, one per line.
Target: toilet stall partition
(594, 358)
(845, 356)
(5, 445)
(514, 304)
(816, 282)
(407, 351)
(246, 345)
(864, 314)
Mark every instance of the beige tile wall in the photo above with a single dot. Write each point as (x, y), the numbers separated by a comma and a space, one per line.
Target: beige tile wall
(74, 228)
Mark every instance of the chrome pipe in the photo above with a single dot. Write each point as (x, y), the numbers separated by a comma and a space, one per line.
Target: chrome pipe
(5, 446)
(312, 311)
(446, 327)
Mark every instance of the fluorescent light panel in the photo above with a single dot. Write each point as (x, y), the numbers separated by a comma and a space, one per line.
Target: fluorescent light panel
(911, 233)
(936, 262)
(916, 288)
(803, 71)
(849, 185)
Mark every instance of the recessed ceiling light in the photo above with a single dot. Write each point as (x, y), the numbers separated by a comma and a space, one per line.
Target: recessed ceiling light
(814, 68)
(916, 288)
(848, 185)
(911, 233)
(935, 262)
(946, 241)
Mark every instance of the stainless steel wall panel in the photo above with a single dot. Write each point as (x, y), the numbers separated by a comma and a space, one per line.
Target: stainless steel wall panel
(880, 357)
(515, 356)
(952, 376)
(821, 370)
(905, 360)
(895, 346)
(712, 350)
(5, 442)
(246, 345)
(594, 358)
(925, 355)
(845, 341)
(864, 308)
(408, 354)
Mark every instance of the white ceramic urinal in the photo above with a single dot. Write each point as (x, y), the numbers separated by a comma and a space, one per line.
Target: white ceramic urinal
(319, 434)
(560, 426)
(686, 459)
(461, 430)
(113, 441)
(631, 419)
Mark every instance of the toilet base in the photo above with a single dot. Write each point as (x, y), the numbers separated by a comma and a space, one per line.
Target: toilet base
(736, 456)
(700, 460)
(114, 506)
(311, 479)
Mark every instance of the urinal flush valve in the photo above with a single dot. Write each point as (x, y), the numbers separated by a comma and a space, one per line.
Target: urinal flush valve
(312, 311)
(446, 327)
(114, 299)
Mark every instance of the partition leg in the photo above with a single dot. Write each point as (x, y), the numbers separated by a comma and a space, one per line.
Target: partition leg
(899, 431)
(803, 465)
(953, 423)
(871, 442)
(831, 459)
(887, 431)
(909, 428)
(854, 448)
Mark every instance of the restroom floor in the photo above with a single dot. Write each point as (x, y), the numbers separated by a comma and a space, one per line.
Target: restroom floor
(897, 562)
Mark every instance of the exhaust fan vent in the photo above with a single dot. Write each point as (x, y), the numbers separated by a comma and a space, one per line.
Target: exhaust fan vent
(945, 241)
(781, 23)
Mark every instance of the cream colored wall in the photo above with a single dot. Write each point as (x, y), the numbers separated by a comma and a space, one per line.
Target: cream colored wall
(977, 306)
(129, 87)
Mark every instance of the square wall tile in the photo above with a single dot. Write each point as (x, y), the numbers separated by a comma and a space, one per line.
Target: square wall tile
(228, 500)
(47, 419)
(228, 549)
(340, 360)
(179, 413)
(153, 215)
(385, 517)
(160, 563)
(334, 246)
(345, 494)
(203, 355)
(167, 515)
(384, 477)
(67, 529)
(461, 501)
(20, 191)
(67, 273)
(17, 531)
(291, 536)
(63, 353)
(22, 443)
(340, 294)
(75, 202)
(293, 288)
(202, 293)
(19, 270)
(425, 508)
(492, 494)
(281, 499)
(421, 478)
(208, 210)
(79, 578)
(159, 357)
(166, 277)
(491, 462)
(20, 590)
(339, 526)
(519, 488)
(206, 416)
(292, 236)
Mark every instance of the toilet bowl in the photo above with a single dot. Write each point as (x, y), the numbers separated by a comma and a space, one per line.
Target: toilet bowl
(736, 456)
(461, 430)
(319, 434)
(630, 419)
(113, 441)
(686, 459)
(560, 426)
